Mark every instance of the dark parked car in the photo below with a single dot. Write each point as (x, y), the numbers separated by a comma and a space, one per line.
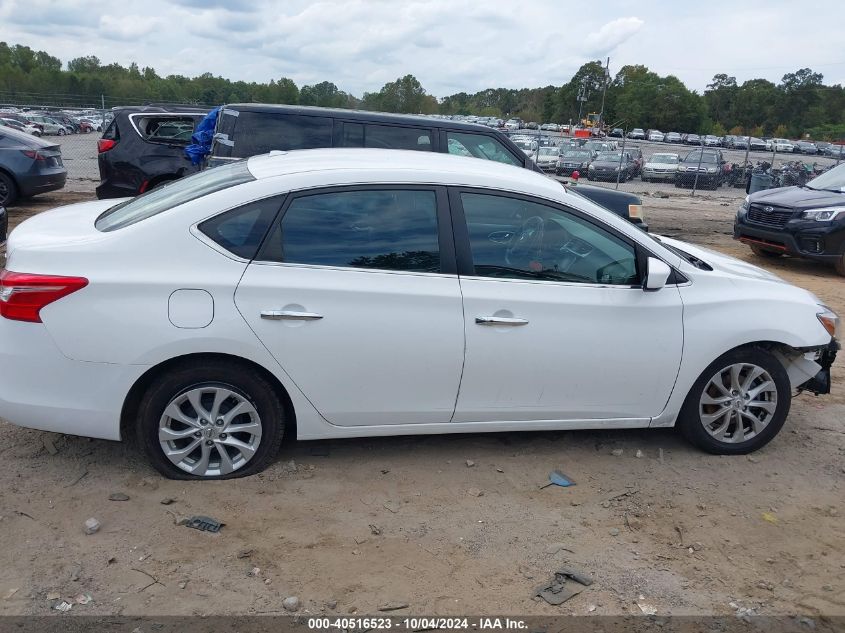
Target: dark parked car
(803, 221)
(612, 166)
(835, 151)
(692, 139)
(144, 147)
(617, 132)
(806, 147)
(756, 144)
(702, 168)
(4, 225)
(244, 130)
(574, 160)
(29, 165)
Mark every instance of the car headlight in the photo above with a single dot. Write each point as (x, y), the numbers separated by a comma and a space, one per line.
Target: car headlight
(682, 168)
(824, 215)
(746, 204)
(829, 320)
(592, 166)
(711, 170)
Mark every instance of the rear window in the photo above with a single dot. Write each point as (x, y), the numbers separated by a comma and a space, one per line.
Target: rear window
(246, 134)
(172, 195)
(171, 129)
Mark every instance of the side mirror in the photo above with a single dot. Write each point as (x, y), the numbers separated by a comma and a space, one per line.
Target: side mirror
(656, 275)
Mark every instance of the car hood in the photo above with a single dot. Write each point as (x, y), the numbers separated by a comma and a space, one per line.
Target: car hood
(724, 263)
(607, 163)
(661, 165)
(798, 197)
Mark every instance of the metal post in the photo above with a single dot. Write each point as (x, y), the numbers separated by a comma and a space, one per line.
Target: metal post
(103, 104)
(621, 155)
(604, 93)
(698, 169)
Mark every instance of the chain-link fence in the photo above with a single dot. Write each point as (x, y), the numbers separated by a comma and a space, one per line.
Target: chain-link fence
(654, 163)
(646, 162)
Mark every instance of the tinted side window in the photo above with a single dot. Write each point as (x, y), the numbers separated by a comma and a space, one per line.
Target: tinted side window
(480, 146)
(394, 137)
(241, 230)
(259, 133)
(518, 239)
(382, 229)
(353, 135)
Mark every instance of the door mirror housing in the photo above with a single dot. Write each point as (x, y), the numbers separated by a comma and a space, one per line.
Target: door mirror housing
(656, 274)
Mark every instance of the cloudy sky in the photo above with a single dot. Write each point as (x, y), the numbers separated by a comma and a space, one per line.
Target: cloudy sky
(449, 45)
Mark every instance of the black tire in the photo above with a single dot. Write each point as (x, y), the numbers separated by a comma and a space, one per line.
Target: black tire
(61, 132)
(242, 379)
(689, 420)
(8, 190)
(764, 252)
(839, 265)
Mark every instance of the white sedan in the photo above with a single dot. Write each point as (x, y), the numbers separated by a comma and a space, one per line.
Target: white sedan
(349, 293)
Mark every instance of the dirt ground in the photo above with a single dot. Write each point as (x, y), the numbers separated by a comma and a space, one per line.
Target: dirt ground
(350, 526)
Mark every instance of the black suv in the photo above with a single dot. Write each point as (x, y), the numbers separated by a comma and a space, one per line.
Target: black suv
(144, 147)
(247, 129)
(804, 221)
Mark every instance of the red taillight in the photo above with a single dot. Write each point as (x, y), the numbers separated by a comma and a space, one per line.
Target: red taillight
(33, 154)
(104, 145)
(23, 295)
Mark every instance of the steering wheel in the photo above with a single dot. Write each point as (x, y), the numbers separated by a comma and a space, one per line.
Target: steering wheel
(527, 243)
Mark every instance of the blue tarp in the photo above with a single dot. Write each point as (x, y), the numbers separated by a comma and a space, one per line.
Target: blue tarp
(202, 136)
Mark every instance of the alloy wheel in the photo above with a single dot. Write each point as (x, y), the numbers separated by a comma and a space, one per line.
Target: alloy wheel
(738, 402)
(210, 430)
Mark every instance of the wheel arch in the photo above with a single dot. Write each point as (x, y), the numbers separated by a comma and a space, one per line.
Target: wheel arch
(136, 392)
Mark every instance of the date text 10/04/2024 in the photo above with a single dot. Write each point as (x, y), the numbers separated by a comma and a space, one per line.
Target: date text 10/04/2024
(417, 623)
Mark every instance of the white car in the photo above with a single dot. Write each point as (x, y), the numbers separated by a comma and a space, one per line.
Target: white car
(547, 158)
(513, 124)
(357, 292)
(782, 145)
(656, 136)
(662, 166)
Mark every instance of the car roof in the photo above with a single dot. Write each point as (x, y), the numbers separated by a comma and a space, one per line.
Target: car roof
(394, 165)
(364, 115)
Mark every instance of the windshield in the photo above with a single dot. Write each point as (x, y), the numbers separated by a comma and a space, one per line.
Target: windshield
(693, 157)
(173, 194)
(579, 155)
(664, 158)
(833, 180)
(615, 156)
(548, 151)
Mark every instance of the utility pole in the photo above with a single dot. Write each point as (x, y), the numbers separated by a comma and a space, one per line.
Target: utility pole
(582, 97)
(604, 93)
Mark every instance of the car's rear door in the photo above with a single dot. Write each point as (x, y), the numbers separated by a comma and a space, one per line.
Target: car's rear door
(557, 324)
(355, 294)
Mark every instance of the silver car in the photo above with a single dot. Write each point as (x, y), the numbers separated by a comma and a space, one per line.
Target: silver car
(661, 167)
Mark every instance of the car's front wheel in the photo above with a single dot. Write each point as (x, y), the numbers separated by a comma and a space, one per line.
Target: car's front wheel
(216, 420)
(738, 404)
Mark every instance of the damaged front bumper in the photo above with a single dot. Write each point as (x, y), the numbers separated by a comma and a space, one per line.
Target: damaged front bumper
(820, 383)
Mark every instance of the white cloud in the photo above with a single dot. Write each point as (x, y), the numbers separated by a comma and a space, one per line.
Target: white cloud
(611, 35)
(449, 45)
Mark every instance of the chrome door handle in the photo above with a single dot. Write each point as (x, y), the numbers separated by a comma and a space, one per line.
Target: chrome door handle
(279, 315)
(492, 320)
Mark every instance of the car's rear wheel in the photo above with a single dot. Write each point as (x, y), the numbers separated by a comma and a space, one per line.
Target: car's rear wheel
(738, 404)
(764, 252)
(8, 190)
(218, 420)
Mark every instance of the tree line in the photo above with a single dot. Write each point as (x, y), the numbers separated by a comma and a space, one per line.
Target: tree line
(634, 97)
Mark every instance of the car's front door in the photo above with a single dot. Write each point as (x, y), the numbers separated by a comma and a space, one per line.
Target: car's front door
(355, 294)
(557, 324)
